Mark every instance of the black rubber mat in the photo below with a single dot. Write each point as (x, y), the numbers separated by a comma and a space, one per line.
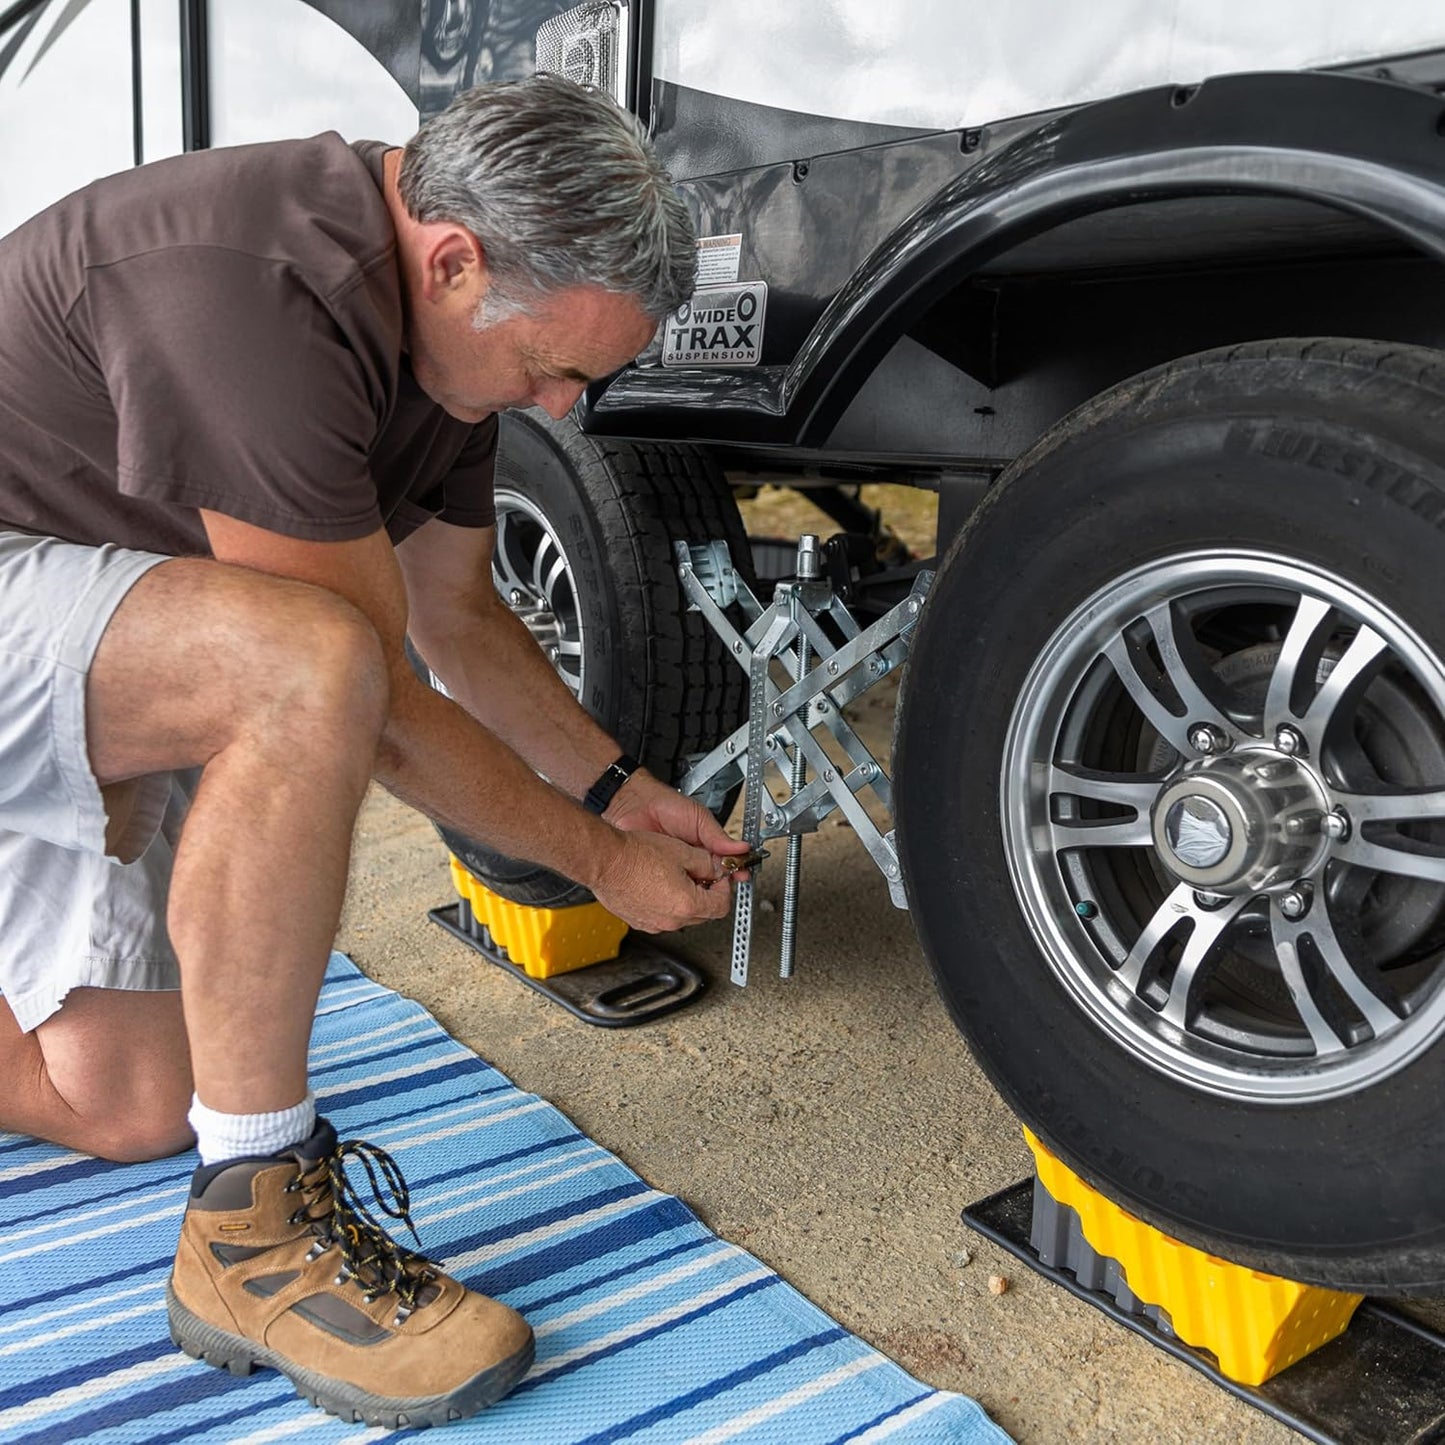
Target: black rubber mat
(1382, 1382)
(641, 983)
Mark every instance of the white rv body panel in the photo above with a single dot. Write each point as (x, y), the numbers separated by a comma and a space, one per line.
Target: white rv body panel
(65, 110)
(162, 133)
(278, 68)
(281, 69)
(940, 64)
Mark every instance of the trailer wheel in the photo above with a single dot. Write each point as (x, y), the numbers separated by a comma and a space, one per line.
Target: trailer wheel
(1171, 802)
(585, 531)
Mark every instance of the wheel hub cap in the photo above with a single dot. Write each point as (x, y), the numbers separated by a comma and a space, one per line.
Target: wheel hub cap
(1198, 832)
(1241, 823)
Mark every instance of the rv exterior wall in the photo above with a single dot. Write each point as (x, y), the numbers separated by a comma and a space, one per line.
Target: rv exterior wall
(65, 107)
(943, 64)
(280, 68)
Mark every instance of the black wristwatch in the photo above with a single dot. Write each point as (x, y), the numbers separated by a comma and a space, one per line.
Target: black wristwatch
(602, 792)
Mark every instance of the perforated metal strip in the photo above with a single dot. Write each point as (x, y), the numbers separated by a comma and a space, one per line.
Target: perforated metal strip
(759, 687)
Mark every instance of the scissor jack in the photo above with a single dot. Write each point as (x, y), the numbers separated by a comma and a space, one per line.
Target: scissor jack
(806, 657)
(582, 957)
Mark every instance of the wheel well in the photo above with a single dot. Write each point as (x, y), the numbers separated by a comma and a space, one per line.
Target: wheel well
(1007, 351)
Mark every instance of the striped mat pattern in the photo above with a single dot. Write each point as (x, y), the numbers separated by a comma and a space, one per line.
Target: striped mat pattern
(649, 1328)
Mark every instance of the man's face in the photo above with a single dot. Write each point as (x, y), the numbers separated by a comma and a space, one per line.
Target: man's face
(575, 336)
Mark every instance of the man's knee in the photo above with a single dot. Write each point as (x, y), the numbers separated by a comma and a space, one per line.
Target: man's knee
(118, 1065)
(137, 1137)
(202, 655)
(326, 666)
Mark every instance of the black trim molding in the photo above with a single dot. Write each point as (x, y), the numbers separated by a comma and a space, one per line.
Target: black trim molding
(195, 77)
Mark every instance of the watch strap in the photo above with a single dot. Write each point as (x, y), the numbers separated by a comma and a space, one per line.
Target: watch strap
(602, 792)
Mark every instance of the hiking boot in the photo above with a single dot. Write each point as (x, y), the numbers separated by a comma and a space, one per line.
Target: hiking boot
(281, 1264)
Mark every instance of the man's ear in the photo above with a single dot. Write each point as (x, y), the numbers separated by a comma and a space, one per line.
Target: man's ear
(452, 262)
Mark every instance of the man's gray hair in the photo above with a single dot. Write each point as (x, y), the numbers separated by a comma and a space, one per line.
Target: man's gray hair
(560, 187)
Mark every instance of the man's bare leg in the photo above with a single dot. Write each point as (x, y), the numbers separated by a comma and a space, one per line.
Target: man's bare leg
(278, 690)
(108, 1074)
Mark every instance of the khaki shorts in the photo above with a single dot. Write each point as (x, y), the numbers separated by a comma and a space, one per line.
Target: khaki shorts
(71, 913)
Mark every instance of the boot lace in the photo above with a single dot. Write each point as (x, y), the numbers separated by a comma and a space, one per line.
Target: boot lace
(339, 1216)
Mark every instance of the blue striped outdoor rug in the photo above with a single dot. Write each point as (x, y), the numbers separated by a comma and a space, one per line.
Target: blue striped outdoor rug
(649, 1328)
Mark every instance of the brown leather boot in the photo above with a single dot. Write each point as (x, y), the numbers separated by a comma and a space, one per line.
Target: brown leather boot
(281, 1264)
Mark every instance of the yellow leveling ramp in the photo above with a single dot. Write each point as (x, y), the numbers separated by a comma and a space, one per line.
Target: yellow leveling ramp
(543, 942)
(1254, 1324)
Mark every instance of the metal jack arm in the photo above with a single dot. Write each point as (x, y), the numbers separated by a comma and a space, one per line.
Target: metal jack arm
(782, 722)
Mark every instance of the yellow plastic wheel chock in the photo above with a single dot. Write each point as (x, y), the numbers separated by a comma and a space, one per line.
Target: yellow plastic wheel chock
(543, 942)
(1254, 1324)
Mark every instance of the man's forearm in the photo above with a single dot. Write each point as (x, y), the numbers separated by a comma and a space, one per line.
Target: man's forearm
(430, 753)
(450, 767)
(494, 668)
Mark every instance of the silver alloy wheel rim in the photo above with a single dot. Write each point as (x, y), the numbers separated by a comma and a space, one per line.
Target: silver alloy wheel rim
(1269, 992)
(535, 578)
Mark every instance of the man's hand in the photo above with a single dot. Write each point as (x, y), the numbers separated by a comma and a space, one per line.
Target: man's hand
(657, 883)
(643, 804)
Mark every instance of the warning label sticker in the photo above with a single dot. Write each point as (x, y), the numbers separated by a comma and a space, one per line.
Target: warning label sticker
(717, 259)
(720, 326)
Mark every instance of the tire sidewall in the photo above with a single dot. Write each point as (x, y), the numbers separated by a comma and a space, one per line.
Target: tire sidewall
(547, 460)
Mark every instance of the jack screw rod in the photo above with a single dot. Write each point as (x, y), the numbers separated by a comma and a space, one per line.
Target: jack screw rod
(794, 867)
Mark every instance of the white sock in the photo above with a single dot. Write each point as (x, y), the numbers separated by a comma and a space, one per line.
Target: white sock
(233, 1136)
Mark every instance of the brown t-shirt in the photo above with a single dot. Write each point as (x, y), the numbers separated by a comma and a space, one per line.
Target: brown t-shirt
(222, 330)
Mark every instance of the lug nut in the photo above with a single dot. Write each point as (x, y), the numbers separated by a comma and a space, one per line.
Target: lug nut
(1336, 825)
(1290, 741)
(1295, 903)
(1209, 901)
(1206, 739)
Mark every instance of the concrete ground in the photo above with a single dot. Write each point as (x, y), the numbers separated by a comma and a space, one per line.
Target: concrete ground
(833, 1124)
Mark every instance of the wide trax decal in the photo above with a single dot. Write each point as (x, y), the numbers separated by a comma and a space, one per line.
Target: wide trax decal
(720, 326)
